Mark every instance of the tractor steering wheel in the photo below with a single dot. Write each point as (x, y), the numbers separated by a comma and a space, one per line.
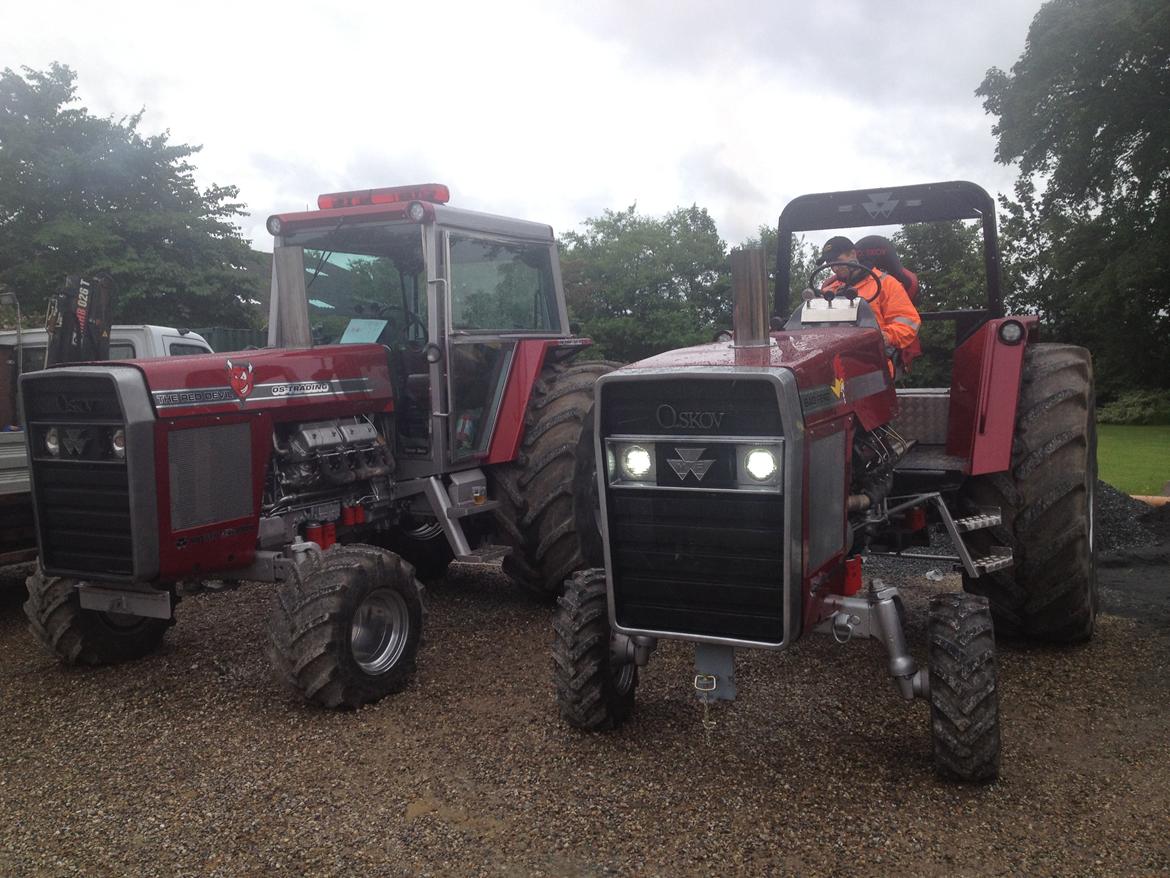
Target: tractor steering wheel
(411, 320)
(848, 288)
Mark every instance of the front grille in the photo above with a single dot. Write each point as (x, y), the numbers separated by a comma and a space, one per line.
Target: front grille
(685, 559)
(82, 496)
(699, 563)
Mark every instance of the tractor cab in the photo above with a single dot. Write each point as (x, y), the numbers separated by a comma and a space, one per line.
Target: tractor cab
(452, 294)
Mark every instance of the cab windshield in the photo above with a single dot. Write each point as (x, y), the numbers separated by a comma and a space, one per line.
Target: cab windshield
(366, 284)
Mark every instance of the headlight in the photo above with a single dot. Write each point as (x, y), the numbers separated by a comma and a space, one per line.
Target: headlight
(760, 464)
(52, 445)
(636, 462)
(1011, 332)
(274, 225)
(416, 211)
(118, 443)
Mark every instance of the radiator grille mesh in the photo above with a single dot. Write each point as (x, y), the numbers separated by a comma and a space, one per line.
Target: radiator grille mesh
(211, 475)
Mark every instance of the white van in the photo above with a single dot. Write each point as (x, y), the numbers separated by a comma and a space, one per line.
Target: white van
(127, 342)
(134, 342)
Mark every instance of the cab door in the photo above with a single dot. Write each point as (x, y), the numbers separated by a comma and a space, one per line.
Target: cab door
(499, 291)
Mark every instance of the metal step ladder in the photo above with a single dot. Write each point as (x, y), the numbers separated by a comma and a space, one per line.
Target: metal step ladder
(999, 558)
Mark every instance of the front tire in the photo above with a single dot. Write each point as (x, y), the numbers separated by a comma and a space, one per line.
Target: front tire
(536, 512)
(964, 688)
(592, 692)
(1046, 500)
(86, 637)
(348, 631)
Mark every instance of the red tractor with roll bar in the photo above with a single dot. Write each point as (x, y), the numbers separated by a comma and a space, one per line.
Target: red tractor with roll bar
(420, 401)
(737, 486)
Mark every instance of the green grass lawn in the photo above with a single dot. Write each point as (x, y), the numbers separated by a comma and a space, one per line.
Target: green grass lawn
(1134, 459)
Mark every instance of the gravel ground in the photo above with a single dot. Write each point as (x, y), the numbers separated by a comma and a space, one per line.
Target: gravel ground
(195, 762)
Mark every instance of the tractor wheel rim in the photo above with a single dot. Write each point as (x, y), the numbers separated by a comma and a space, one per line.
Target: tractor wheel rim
(380, 629)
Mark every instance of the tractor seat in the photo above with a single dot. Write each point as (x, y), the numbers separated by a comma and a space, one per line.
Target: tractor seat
(874, 251)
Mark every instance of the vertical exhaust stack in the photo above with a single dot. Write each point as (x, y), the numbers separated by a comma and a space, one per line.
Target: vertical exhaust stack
(749, 290)
(288, 309)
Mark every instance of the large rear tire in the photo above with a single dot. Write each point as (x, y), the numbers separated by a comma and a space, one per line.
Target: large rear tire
(592, 692)
(1046, 500)
(536, 513)
(86, 637)
(964, 688)
(348, 631)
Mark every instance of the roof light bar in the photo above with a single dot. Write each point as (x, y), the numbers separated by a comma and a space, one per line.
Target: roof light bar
(434, 193)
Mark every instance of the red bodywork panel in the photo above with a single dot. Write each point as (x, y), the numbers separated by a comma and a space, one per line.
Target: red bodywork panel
(985, 388)
(355, 377)
(838, 370)
(261, 388)
(526, 365)
(265, 388)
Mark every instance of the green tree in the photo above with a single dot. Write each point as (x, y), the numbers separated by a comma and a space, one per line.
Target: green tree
(642, 285)
(947, 258)
(1085, 112)
(80, 194)
(802, 259)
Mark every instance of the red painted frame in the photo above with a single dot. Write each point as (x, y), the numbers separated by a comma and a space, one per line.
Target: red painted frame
(985, 387)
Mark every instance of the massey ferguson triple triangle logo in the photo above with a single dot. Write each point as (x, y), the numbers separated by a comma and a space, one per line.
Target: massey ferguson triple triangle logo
(880, 204)
(241, 379)
(688, 462)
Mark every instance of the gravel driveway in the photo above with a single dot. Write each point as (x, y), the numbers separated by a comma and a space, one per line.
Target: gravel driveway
(194, 762)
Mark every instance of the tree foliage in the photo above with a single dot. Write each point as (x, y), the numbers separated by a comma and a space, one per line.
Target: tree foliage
(80, 194)
(641, 285)
(947, 258)
(1085, 112)
(802, 259)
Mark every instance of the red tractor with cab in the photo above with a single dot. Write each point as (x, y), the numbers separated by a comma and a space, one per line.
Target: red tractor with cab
(738, 484)
(420, 401)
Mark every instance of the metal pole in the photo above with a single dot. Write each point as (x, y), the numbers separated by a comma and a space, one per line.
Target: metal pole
(749, 289)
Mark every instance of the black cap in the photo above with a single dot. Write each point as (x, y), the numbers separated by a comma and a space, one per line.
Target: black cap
(834, 247)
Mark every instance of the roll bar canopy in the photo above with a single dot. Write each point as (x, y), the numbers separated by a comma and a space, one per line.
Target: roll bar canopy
(891, 205)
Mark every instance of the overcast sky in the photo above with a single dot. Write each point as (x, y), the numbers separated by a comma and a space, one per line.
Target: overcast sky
(547, 111)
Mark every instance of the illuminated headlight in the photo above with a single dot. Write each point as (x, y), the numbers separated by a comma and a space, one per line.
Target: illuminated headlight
(118, 443)
(636, 462)
(52, 443)
(1011, 332)
(416, 211)
(631, 462)
(760, 464)
(274, 225)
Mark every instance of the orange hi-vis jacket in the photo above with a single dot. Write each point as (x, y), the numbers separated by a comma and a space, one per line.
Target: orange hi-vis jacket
(895, 313)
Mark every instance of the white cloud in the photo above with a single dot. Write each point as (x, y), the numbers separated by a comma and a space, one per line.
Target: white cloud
(546, 112)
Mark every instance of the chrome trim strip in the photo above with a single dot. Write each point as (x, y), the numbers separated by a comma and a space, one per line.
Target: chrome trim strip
(187, 397)
(691, 440)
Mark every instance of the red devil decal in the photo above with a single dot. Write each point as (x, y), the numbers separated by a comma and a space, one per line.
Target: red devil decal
(241, 379)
